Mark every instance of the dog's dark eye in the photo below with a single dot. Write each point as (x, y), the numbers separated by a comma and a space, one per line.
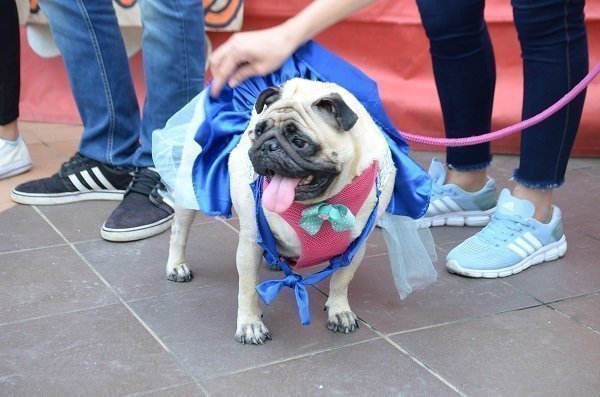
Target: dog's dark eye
(260, 128)
(290, 128)
(299, 143)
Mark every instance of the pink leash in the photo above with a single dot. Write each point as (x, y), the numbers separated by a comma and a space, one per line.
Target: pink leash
(473, 140)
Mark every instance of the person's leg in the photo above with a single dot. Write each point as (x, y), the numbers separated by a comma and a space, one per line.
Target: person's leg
(90, 41)
(88, 36)
(464, 70)
(527, 229)
(14, 157)
(174, 58)
(9, 69)
(555, 58)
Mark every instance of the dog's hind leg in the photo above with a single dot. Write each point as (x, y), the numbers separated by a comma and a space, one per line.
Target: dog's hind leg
(177, 268)
(340, 316)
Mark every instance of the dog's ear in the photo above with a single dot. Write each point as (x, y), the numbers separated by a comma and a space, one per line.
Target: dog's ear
(267, 97)
(334, 104)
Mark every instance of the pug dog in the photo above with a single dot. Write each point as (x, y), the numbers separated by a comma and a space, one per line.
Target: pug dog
(310, 140)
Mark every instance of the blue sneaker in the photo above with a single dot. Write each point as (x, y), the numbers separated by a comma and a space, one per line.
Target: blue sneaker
(510, 243)
(450, 205)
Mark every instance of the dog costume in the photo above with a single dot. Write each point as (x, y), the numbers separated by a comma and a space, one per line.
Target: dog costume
(191, 155)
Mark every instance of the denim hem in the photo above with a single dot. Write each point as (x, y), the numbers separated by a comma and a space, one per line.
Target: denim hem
(536, 184)
(470, 167)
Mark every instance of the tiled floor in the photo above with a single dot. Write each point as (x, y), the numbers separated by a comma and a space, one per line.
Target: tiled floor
(81, 316)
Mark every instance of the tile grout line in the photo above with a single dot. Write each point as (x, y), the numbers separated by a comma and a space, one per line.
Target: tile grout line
(580, 323)
(25, 320)
(145, 393)
(463, 320)
(287, 359)
(119, 297)
(416, 360)
(33, 249)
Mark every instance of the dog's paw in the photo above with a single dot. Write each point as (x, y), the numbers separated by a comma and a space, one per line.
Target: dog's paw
(345, 322)
(256, 333)
(179, 273)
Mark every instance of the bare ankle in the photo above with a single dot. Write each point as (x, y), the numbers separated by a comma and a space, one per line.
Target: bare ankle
(469, 181)
(9, 131)
(541, 199)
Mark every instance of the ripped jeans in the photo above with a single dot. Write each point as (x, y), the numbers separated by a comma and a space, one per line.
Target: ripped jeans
(554, 49)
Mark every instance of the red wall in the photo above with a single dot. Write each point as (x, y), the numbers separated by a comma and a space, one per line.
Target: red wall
(386, 41)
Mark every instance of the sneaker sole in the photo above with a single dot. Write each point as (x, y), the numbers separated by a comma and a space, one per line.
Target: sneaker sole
(136, 233)
(19, 169)
(547, 253)
(464, 218)
(65, 198)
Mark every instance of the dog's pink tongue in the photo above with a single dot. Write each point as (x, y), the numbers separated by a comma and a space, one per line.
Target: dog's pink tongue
(279, 194)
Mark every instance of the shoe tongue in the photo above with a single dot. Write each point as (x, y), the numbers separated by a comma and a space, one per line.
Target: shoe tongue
(510, 205)
(279, 194)
(437, 172)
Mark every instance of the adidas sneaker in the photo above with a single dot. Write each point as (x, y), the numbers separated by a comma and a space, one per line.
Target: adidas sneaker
(79, 179)
(450, 205)
(510, 243)
(145, 211)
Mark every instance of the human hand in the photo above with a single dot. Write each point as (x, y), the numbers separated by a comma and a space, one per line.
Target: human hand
(249, 54)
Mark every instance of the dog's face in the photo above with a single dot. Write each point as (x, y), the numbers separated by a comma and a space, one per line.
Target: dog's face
(301, 141)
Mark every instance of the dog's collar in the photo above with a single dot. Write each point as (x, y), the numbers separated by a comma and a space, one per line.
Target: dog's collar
(269, 290)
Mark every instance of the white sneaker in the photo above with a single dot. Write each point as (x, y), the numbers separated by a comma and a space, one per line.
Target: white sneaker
(14, 157)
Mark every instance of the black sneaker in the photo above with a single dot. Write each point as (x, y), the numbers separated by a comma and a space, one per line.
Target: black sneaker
(78, 179)
(144, 211)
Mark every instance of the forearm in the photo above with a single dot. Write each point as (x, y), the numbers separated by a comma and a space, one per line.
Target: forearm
(318, 16)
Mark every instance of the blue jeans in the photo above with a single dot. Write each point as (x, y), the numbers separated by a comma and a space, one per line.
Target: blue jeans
(88, 36)
(554, 49)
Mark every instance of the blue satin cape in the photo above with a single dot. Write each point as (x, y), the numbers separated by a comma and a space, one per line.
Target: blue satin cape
(227, 117)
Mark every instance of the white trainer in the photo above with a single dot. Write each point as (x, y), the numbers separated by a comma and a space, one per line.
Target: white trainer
(14, 157)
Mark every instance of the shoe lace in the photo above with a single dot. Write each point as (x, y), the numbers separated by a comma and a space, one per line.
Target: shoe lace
(144, 181)
(76, 163)
(502, 228)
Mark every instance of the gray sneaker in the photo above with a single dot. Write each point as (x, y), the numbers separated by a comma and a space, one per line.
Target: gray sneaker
(450, 205)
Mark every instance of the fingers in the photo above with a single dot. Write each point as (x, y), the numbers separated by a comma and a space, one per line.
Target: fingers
(244, 71)
(222, 69)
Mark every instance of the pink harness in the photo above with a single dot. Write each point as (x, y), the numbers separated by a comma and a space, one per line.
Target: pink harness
(328, 243)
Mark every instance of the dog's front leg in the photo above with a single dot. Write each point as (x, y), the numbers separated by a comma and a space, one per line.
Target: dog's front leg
(250, 328)
(177, 268)
(340, 316)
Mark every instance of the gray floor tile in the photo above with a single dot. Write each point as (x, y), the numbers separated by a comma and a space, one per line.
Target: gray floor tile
(48, 281)
(376, 243)
(137, 269)
(575, 274)
(529, 352)
(374, 298)
(198, 327)
(95, 352)
(373, 368)
(22, 228)
(79, 221)
(187, 390)
(585, 310)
